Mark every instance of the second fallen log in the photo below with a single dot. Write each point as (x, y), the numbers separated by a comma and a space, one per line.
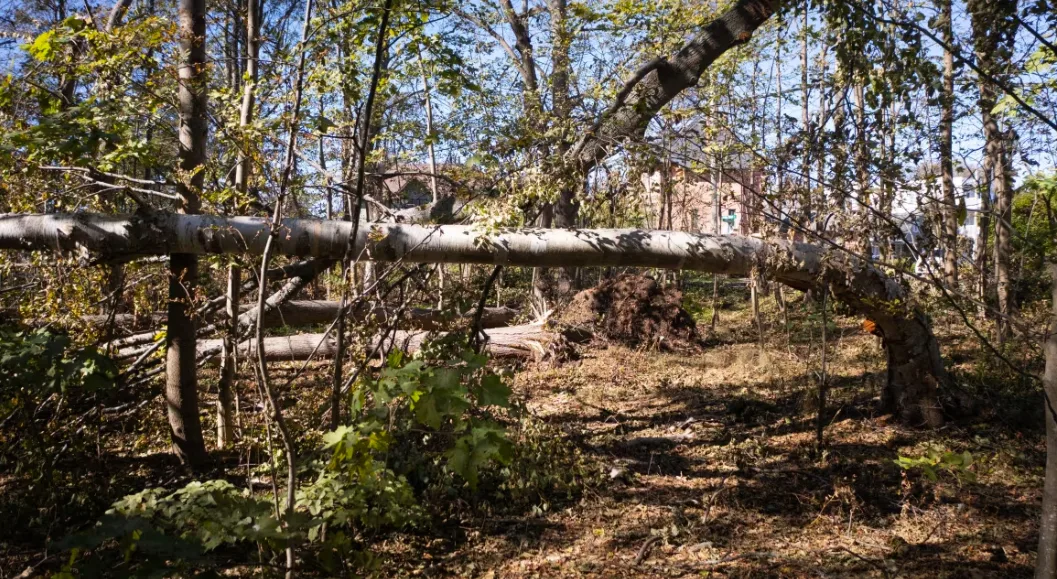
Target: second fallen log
(532, 341)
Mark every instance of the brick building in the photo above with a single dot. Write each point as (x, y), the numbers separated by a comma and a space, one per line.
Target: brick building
(676, 197)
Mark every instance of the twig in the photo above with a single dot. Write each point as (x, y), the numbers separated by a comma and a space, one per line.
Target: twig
(364, 142)
(870, 562)
(475, 338)
(712, 500)
(645, 549)
(277, 217)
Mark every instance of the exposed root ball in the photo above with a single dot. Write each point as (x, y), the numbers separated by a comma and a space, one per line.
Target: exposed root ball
(633, 310)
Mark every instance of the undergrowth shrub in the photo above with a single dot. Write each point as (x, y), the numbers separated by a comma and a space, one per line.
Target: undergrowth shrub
(425, 435)
(50, 393)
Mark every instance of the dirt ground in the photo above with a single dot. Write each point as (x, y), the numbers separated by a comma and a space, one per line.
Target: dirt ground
(705, 465)
(710, 470)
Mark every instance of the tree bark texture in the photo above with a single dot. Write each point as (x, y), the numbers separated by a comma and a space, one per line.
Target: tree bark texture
(181, 383)
(994, 30)
(949, 216)
(1046, 563)
(526, 341)
(670, 76)
(297, 313)
(226, 384)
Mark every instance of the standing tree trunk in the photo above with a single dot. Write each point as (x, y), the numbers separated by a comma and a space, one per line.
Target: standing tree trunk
(366, 130)
(246, 112)
(570, 175)
(1046, 564)
(1003, 190)
(983, 234)
(821, 203)
(862, 175)
(994, 30)
(428, 102)
(949, 229)
(717, 223)
(889, 172)
(1002, 186)
(181, 384)
(823, 386)
(226, 385)
(805, 122)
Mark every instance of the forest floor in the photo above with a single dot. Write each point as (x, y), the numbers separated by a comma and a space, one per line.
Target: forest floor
(711, 470)
(700, 463)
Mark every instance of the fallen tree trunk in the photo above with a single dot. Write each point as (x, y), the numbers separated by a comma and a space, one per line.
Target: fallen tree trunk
(116, 238)
(916, 370)
(307, 312)
(123, 320)
(525, 341)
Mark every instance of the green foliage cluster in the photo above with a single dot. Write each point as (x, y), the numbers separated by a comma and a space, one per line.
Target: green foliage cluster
(936, 460)
(1035, 240)
(99, 131)
(50, 395)
(434, 426)
(42, 372)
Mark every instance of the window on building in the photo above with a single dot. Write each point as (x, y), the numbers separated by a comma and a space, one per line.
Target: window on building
(730, 212)
(695, 220)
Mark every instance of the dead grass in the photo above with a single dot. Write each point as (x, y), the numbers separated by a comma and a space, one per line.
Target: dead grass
(711, 471)
(710, 468)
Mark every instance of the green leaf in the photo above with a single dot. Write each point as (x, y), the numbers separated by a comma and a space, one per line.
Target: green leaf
(494, 392)
(43, 47)
(426, 412)
(335, 437)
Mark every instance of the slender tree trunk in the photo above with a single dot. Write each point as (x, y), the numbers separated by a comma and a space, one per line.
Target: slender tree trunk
(428, 102)
(823, 386)
(226, 385)
(181, 385)
(326, 178)
(819, 140)
(950, 210)
(274, 231)
(779, 121)
(365, 139)
(664, 213)
(998, 186)
(994, 30)
(246, 112)
(889, 171)
(862, 172)
(717, 204)
(1003, 233)
(228, 375)
(805, 121)
(754, 283)
(983, 225)
(1046, 563)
